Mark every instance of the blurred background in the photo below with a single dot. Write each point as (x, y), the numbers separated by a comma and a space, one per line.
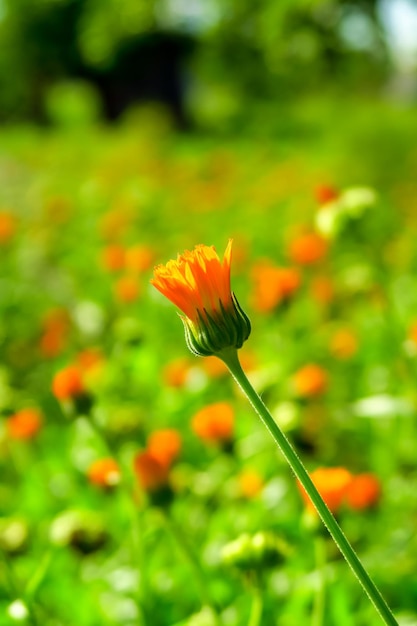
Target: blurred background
(217, 64)
(131, 130)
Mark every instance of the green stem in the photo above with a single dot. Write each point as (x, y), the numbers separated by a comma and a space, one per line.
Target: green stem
(231, 359)
(143, 593)
(191, 559)
(125, 490)
(257, 606)
(11, 582)
(16, 593)
(318, 607)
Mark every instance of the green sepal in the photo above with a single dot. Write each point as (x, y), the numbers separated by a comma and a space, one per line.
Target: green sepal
(215, 331)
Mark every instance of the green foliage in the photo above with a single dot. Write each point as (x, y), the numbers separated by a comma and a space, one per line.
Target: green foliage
(233, 53)
(86, 211)
(72, 104)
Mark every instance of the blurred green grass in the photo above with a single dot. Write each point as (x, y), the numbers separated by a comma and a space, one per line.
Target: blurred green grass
(73, 192)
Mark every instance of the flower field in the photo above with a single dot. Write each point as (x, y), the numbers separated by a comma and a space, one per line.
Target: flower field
(138, 487)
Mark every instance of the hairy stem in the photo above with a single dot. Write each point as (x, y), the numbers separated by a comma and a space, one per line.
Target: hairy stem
(231, 359)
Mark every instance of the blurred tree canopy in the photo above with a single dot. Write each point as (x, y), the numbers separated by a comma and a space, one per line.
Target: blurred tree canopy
(168, 49)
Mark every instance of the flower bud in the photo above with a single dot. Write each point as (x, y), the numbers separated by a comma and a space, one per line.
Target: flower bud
(198, 283)
(263, 550)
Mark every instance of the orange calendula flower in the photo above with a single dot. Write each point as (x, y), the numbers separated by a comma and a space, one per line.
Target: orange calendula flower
(344, 343)
(326, 193)
(364, 491)
(322, 289)
(89, 359)
(214, 367)
(308, 248)
(250, 483)
(139, 258)
(127, 289)
(113, 258)
(175, 373)
(214, 423)
(150, 472)
(198, 283)
(332, 483)
(104, 473)
(412, 333)
(24, 424)
(68, 383)
(7, 226)
(310, 380)
(55, 330)
(165, 445)
(273, 285)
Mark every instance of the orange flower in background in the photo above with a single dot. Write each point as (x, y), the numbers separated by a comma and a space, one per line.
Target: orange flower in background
(164, 445)
(151, 474)
(250, 484)
(198, 283)
(104, 473)
(214, 367)
(89, 359)
(214, 423)
(24, 424)
(332, 483)
(322, 289)
(176, 372)
(113, 258)
(7, 226)
(326, 193)
(68, 383)
(127, 289)
(311, 380)
(307, 249)
(272, 285)
(56, 326)
(139, 258)
(412, 333)
(364, 491)
(344, 343)
(90, 362)
(248, 360)
(51, 344)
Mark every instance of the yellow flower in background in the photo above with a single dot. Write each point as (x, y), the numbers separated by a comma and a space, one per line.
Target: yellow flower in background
(198, 283)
